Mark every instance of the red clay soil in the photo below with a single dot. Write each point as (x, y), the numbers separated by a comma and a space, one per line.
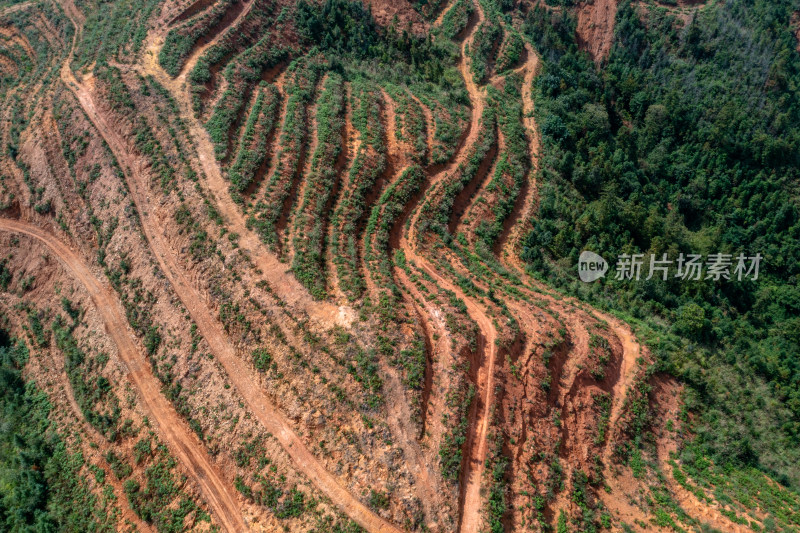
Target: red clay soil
(285, 285)
(13, 38)
(473, 465)
(470, 505)
(629, 350)
(596, 27)
(399, 11)
(464, 199)
(208, 326)
(351, 141)
(218, 493)
(573, 390)
(399, 415)
(622, 485)
(8, 66)
(265, 412)
(273, 148)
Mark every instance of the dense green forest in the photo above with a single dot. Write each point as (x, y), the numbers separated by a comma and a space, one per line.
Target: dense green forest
(686, 140)
(347, 30)
(42, 488)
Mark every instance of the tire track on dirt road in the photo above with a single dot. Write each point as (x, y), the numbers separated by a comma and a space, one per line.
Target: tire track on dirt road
(237, 372)
(470, 507)
(217, 492)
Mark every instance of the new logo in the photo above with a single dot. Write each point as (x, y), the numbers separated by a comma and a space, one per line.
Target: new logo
(591, 266)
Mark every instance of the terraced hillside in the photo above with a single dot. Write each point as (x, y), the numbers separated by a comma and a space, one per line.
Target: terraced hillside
(286, 266)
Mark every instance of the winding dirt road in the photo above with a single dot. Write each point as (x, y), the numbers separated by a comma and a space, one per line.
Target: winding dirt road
(220, 495)
(399, 412)
(238, 373)
(172, 428)
(290, 290)
(257, 402)
(471, 509)
(471, 518)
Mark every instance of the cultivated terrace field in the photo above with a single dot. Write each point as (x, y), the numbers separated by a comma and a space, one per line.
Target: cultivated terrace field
(302, 266)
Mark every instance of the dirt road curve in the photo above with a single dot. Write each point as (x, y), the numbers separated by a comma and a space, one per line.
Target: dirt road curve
(471, 500)
(173, 430)
(470, 504)
(272, 420)
(238, 373)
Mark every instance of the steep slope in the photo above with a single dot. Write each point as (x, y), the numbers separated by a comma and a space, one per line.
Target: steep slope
(219, 494)
(334, 234)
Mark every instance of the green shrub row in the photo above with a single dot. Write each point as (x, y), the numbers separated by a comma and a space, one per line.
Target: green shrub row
(510, 51)
(456, 19)
(436, 211)
(410, 122)
(451, 450)
(181, 40)
(313, 211)
(498, 485)
(512, 165)
(241, 74)
(234, 41)
(144, 138)
(413, 362)
(91, 390)
(377, 251)
(260, 125)
(170, 121)
(449, 104)
(289, 504)
(161, 500)
(303, 75)
(483, 49)
(368, 164)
